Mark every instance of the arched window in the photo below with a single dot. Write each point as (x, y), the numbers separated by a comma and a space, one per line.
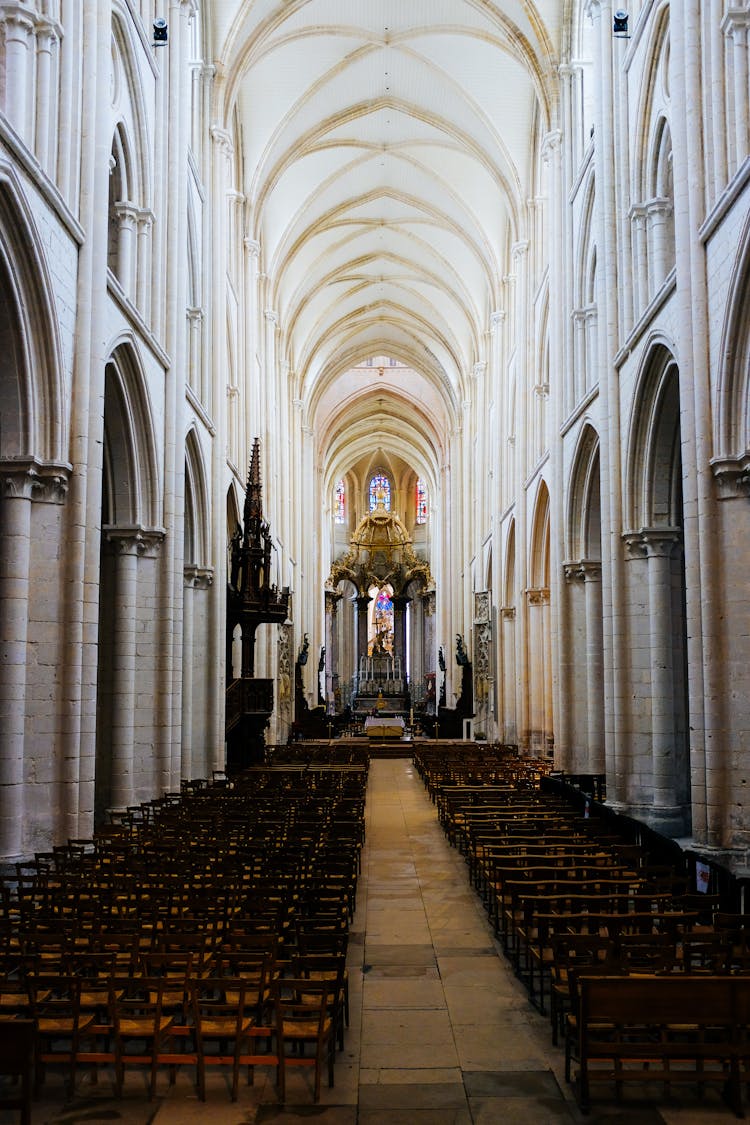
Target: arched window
(380, 492)
(340, 503)
(421, 501)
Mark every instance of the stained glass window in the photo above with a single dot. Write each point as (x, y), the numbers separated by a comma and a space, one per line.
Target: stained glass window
(421, 501)
(380, 489)
(340, 504)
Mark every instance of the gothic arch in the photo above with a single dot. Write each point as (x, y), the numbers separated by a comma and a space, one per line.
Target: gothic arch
(732, 426)
(651, 112)
(128, 103)
(196, 504)
(654, 476)
(131, 486)
(509, 583)
(31, 383)
(583, 537)
(540, 540)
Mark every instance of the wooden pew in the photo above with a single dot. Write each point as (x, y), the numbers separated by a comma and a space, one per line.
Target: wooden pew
(676, 1028)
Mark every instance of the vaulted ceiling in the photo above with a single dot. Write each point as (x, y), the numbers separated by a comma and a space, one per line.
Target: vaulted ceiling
(388, 157)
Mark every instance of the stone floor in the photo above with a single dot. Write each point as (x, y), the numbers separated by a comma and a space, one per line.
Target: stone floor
(441, 1031)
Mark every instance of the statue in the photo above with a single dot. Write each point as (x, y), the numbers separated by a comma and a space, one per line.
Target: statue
(441, 659)
(303, 652)
(462, 657)
(322, 659)
(235, 549)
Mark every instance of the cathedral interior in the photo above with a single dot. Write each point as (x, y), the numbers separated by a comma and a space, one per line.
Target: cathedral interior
(463, 289)
(376, 373)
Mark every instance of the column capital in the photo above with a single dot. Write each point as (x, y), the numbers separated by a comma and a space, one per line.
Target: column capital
(127, 212)
(508, 612)
(252, 245)
(28, 478)
(732, 475)
(736, 19)
(271, 316)
(538, 596)
(497, 319)
(479, 369)
(518, 249)
(585, 570)
(135, 540)
(198, 577)
(19, 17)
(657, 206)
(194, 314)
(652, 542)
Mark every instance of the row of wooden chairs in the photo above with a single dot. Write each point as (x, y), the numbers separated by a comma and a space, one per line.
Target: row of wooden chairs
(227, 895)
(570, 899)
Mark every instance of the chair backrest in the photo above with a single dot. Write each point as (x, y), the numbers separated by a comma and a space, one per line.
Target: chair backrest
(17, 1061)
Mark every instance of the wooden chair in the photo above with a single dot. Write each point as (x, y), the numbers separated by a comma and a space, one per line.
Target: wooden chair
(141, 1028)
(303, 1017)
(17, 1062)
(60, 1023)
(223, 1025)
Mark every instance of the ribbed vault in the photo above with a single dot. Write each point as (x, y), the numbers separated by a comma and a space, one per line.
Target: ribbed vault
(388, 159)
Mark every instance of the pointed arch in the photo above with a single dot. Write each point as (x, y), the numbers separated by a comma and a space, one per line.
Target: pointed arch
(583, 522)
(654, 466)
(132, 494)
(509, 578)
(732, 422)
(540, 539)
(32, 386)
(196, 503)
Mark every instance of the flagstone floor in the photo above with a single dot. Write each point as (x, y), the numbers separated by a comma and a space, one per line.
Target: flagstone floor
(441, 1031)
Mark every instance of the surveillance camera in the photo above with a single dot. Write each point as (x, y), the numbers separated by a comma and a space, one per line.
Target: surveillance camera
(620, 22)
(160, 31)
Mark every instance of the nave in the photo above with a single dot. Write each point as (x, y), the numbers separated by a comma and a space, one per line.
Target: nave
(441, 1032)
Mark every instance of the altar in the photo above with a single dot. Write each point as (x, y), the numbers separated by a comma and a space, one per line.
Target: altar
(379, 727)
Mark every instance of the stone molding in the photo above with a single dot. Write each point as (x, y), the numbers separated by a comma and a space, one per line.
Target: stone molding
(141, 541)
(199, 577)
(732, 476)
(482, 609)
(651, 542)
(31, 479)
(585, 570)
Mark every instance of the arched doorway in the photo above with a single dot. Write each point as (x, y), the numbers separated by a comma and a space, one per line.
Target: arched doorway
(655, 545)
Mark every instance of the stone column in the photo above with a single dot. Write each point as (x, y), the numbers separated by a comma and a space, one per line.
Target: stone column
(592, 575)
(639, 241)
(18, 39)
(659, 545)
(215, 342)
(538, 685)
(734, 26)
(126, 543)
(362, 602)
(399, 631)
(15, 552)
(509, 694)
(609, 79)
(46, 39)
(332, 671)
(144, 223)
(188, 596)
(127, 215)
(658, 212)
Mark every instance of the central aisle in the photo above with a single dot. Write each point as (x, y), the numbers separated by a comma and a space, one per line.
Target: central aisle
(447, 1033)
